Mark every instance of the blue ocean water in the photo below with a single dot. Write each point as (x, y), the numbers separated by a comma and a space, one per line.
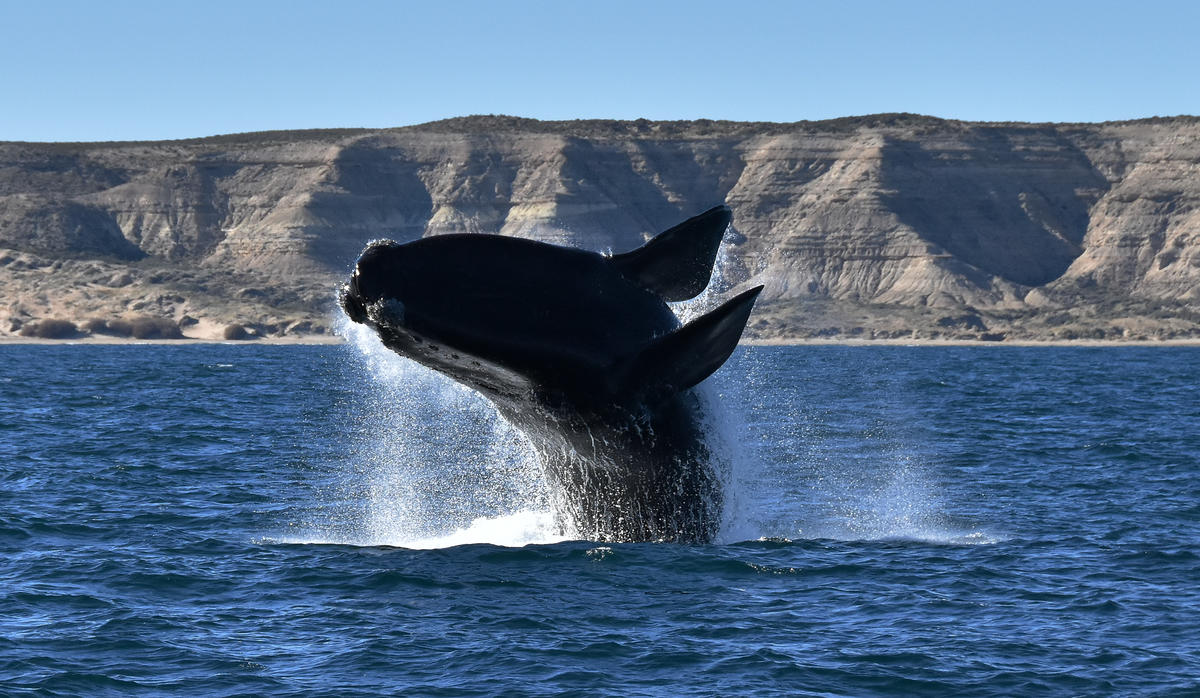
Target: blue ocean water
(258, 520)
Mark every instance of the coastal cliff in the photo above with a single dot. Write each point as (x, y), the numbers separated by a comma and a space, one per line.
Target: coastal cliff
(887, 226)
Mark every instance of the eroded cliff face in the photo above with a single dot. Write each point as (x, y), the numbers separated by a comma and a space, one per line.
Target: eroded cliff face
(885, 226)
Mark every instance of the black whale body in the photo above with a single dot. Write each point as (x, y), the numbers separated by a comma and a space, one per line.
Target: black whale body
(580, 352)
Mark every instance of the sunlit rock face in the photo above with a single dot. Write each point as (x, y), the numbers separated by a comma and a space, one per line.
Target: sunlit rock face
(880, 226)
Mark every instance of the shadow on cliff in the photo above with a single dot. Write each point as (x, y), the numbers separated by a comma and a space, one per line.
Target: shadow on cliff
(1012, 202)
(642, 187)
(372, 191)
(62, 229)
(602, 196)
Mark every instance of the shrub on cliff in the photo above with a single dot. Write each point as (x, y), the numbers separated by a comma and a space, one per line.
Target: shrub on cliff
(140, 327)
(148, 327)
(50, 329)
(118, 327)
(235, 331)
(95, 326)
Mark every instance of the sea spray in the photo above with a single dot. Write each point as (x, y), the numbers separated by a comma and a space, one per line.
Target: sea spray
(437, 462)
(880, 484)
(437, 466)
(732, 464)
(871, 475)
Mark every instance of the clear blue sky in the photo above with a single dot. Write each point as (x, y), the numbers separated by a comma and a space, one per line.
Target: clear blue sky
(109, 70)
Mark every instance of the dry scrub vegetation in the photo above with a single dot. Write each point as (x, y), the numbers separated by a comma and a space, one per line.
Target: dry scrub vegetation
(136, 327)
(50, 329)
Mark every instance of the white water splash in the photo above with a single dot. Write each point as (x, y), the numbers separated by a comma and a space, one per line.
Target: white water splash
(804, 471)
(512, 530)
(434, 464)
(895, 501)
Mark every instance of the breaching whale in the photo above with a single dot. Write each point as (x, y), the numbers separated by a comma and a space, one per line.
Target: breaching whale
(580, 352)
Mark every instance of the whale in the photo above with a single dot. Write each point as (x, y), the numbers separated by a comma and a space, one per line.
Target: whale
(581, 352)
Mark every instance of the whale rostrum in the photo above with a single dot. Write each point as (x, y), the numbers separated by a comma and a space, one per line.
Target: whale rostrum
(580, 352)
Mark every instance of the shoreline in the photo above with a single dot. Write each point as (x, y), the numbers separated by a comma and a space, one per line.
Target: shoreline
(319, 340)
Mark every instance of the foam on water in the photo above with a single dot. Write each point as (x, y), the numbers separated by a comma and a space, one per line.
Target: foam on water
(511, 530)
(514, 530)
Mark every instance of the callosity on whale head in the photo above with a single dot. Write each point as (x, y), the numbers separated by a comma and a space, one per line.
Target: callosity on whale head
(579, 351)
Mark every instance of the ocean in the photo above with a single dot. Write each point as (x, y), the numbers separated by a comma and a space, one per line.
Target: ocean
(332, 520)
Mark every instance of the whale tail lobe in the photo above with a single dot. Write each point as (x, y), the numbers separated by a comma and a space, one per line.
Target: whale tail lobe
(677, 263)
(681, 359)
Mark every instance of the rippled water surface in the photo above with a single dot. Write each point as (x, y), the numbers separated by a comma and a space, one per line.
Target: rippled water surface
(332, 521)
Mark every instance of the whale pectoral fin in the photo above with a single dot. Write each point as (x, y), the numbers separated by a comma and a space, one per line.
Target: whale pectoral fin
(677, 263)
(683, 358)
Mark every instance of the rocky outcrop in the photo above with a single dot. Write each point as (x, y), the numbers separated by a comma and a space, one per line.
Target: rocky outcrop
(881, 226)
